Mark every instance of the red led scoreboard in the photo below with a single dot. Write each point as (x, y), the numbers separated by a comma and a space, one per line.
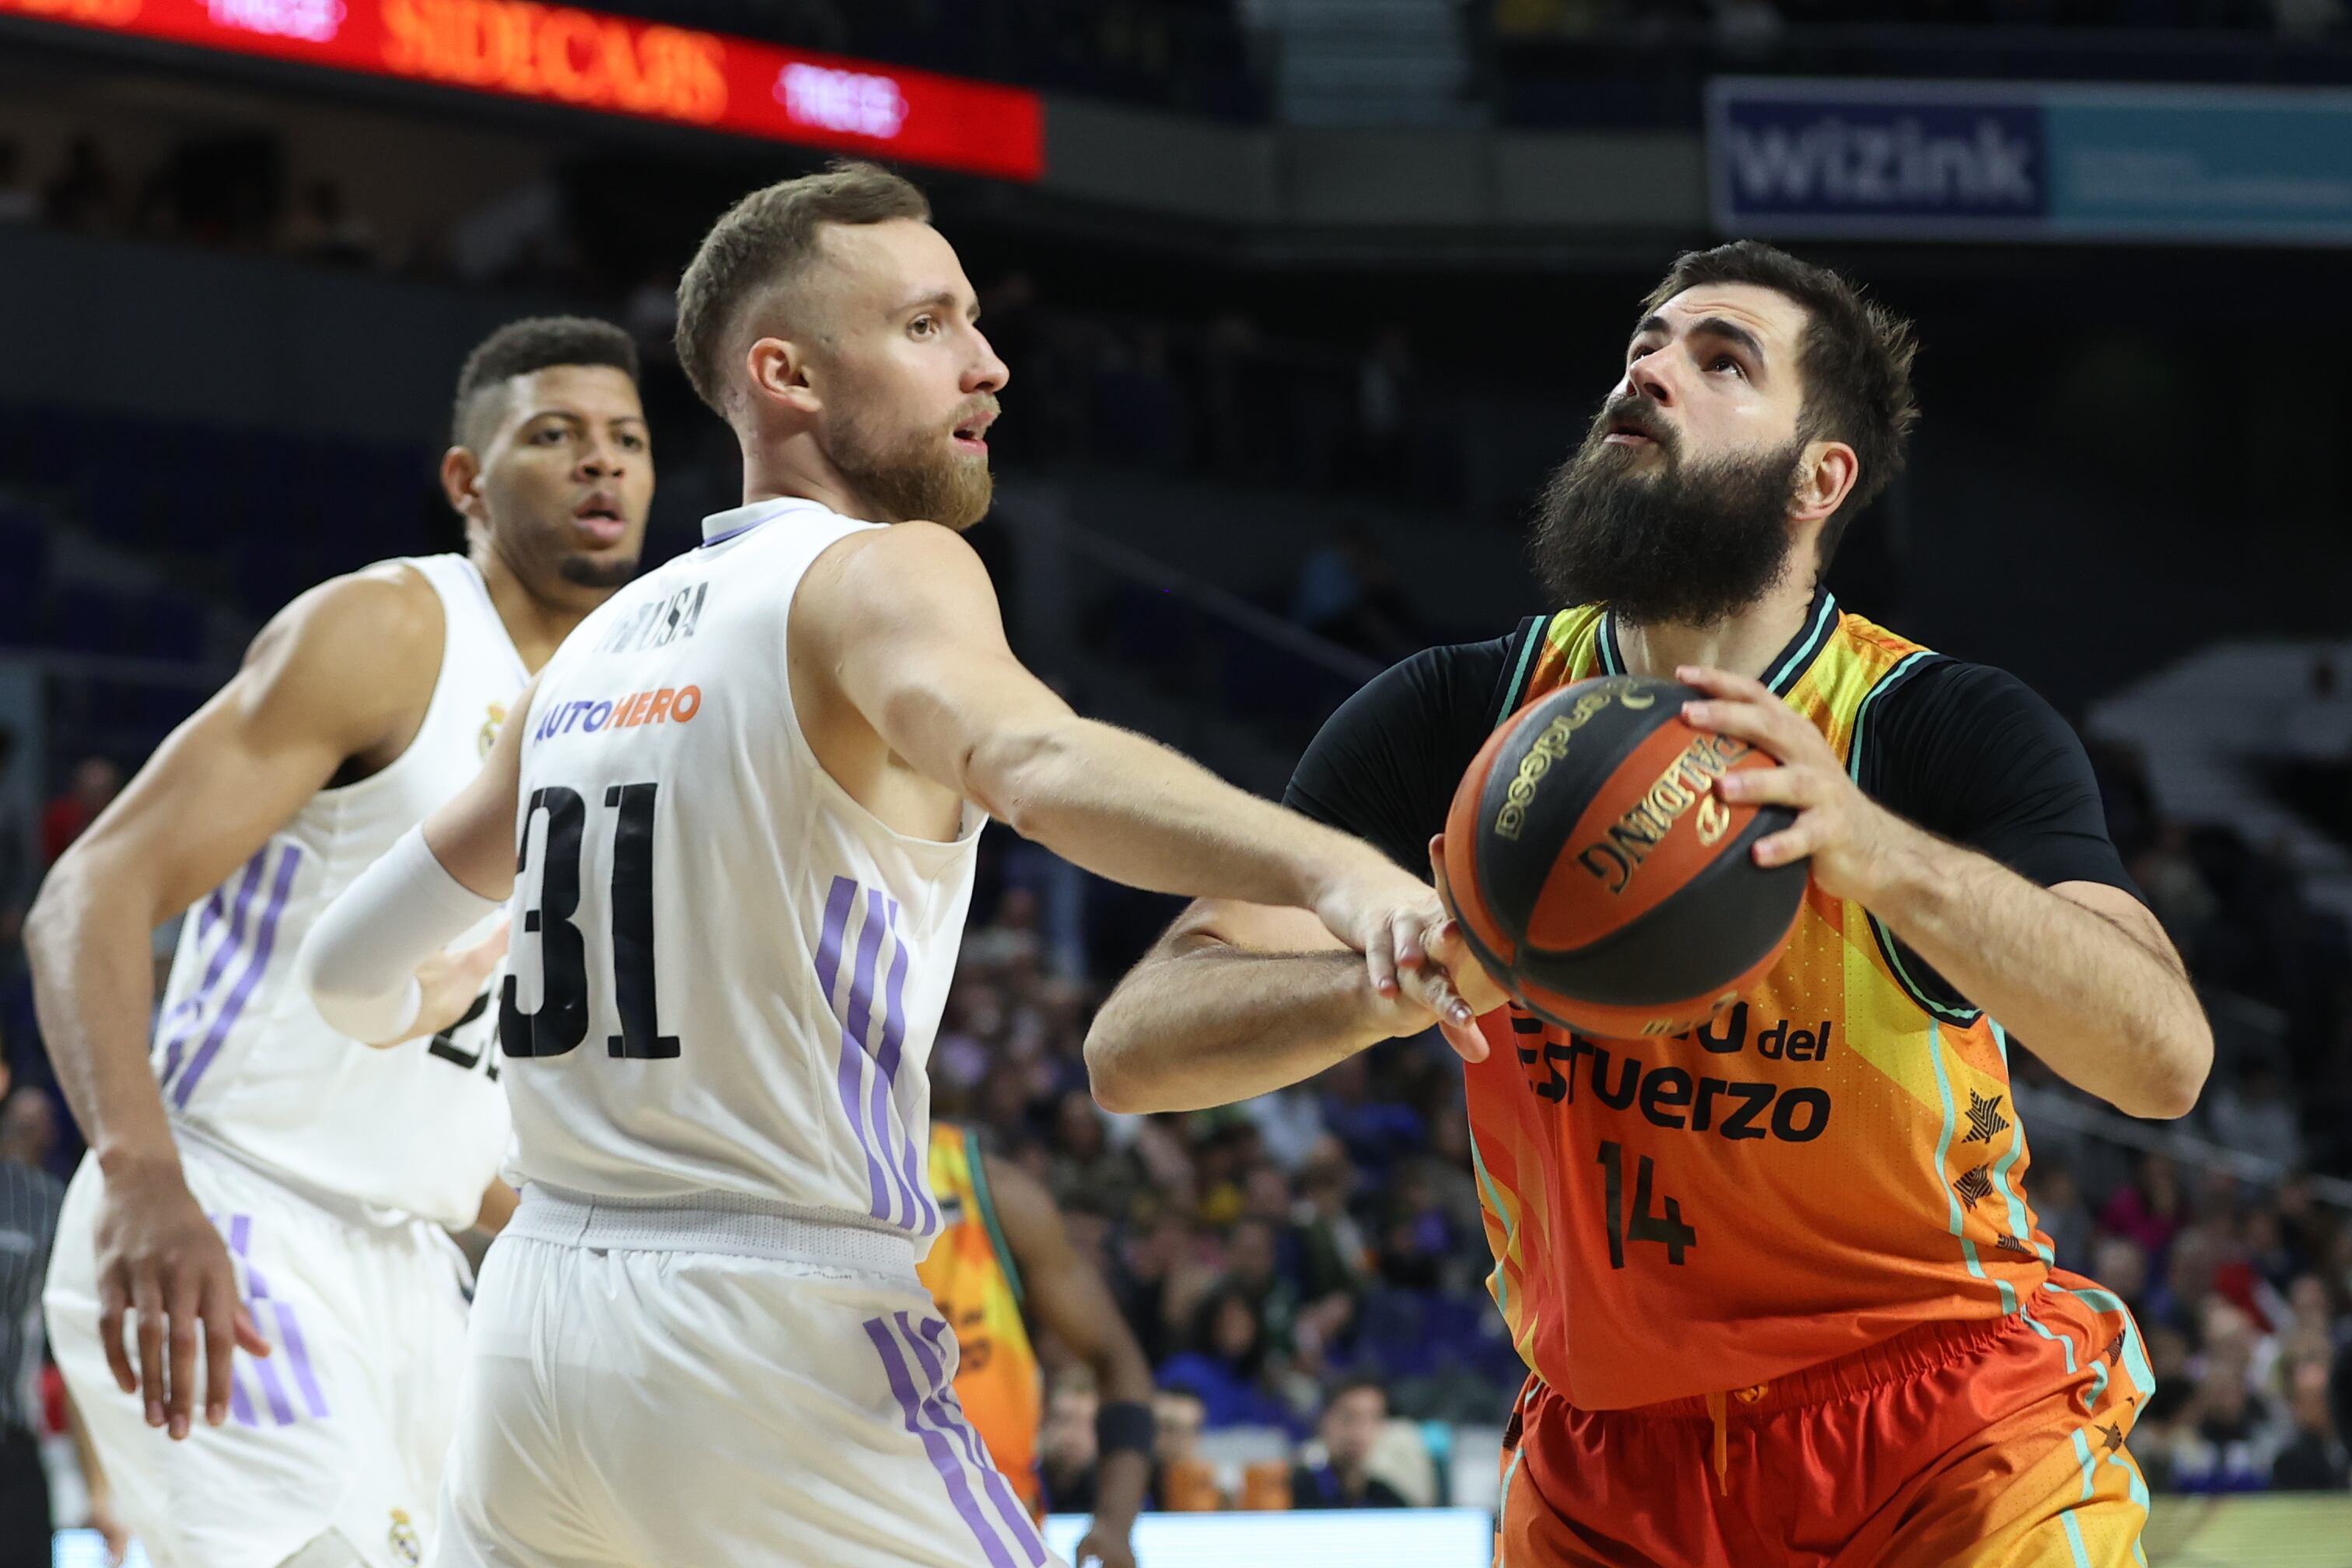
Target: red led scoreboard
(614, 65)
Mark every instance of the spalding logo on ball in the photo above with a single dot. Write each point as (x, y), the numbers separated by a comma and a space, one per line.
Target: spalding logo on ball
(1598, 876)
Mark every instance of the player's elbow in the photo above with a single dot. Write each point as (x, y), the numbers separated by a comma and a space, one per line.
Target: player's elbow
(1119, 1066)
(2169, 1088)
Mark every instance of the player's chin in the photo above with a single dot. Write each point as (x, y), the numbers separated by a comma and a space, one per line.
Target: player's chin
(608, 568)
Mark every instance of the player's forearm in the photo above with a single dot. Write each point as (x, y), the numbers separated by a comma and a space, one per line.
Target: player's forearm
(1134, 811)
(1119, 1486)
(2105, 1011)
(89, 943)
(1214, 1024)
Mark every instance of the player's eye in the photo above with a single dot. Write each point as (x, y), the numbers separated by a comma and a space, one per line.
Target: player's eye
(547, 435)
(924, 326)
(1725, 362)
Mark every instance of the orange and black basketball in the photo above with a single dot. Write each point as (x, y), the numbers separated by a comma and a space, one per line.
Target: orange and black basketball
(1597, 873)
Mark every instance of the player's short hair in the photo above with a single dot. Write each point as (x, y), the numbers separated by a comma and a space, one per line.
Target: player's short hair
(1855, 362)
(518, 348)
(766, 240)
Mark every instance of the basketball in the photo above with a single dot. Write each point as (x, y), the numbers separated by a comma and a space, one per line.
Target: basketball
(1596, 875)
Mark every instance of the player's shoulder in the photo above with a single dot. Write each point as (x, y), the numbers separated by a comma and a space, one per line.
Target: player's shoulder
(383, 624)
(1454, 686)
(1958, 693)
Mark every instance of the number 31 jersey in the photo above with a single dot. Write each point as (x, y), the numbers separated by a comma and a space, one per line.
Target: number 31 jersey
(726, 974)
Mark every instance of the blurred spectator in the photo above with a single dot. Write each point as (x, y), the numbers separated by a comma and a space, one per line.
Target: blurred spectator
(95, 781)
(16, 881)
(2251, 1115)
(2314, 1459)
(2177, 891)
(1226, 1365)
(1067, 1450)
(2149, 1209)
(84, 194)
(325, 230)
(20, 202)
(1352, 1419)
(2066, 1218)
(30, 1199)
(1349, 593)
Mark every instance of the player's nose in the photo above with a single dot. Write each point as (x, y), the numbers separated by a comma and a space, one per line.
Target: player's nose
(1646, 377)
(986, 373)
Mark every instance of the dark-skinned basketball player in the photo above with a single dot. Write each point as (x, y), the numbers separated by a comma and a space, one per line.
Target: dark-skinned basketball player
(1835, 1339)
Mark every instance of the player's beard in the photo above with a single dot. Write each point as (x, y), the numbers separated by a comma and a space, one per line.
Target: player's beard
(919, 475)
(1689, 544)
(592, 572)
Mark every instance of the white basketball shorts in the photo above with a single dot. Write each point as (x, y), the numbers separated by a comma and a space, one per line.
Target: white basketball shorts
(651, 1386)
(344, 1425)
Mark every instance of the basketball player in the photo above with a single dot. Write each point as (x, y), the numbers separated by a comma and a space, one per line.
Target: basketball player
(1777, 1279)
(257, 1173)
(747, 795)
(1003, 1258)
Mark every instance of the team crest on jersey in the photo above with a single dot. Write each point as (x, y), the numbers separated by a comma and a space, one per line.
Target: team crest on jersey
(491, 726)
(403, 1537)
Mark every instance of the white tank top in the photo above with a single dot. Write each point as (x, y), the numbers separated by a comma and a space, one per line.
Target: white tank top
(726, 972)
(245, 1061)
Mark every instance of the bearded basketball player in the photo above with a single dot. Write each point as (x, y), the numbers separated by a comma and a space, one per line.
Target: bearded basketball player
(1833, 1337)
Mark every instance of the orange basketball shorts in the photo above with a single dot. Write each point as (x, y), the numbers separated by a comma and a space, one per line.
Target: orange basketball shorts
(1997, 1443)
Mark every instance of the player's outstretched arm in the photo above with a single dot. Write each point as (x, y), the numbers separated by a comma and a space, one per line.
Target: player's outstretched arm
(904, 622)
(377, 963)
(344, 671)
(1237, 1000)
(1065, 1294)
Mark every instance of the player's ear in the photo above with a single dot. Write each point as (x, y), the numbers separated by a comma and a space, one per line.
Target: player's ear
(778, 369)
(1826, 473)
(461, 483)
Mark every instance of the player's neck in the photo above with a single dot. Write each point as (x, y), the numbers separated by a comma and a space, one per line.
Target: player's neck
(796, 468)
(1742, 643)
(535, 626)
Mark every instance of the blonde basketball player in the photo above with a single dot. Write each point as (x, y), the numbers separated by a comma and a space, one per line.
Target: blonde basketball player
(746, 794)
(251, 1170)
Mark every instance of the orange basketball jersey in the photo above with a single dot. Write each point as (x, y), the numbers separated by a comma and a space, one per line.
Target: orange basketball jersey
(1830, 1160)
(972, 1275)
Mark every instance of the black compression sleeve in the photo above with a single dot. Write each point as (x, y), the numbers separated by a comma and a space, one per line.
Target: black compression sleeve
(1385, 765)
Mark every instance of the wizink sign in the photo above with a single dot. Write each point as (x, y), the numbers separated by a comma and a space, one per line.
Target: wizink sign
(1872, 158)
(2023, 161)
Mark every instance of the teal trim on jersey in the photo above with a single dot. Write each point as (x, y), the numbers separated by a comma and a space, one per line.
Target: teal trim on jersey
(1519, 676)
(2041, 1249)
(2089, 1464)
(976, 1158)
(1497, 1283)
(2019, 1226)
(2138, 1487)
(2135, 1361)
(2074, 1530)
(1604, 641)
(1794, 665)
(1503, 1501)
(1935, 1009)
(1942, 1154)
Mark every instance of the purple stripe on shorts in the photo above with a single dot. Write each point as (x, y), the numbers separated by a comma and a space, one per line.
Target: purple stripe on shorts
(942, 1458)
(273, 1388)
(298, 1352)
(263, 941)
(183, 1020)
(853, 1039)
(240, 1405)
(947, 1413)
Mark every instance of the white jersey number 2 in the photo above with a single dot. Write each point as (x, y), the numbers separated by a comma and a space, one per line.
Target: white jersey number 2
(561, 1021)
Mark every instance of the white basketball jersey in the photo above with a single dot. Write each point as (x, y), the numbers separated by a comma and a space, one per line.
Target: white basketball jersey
(726, 974)
(243, 1058)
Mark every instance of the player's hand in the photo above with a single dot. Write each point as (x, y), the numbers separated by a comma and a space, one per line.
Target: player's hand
(1854, 842)
(1106, 1544)
(109, 1525)
(1387, 915)
(159, 1257)
(1449, 949)
(452, 983)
